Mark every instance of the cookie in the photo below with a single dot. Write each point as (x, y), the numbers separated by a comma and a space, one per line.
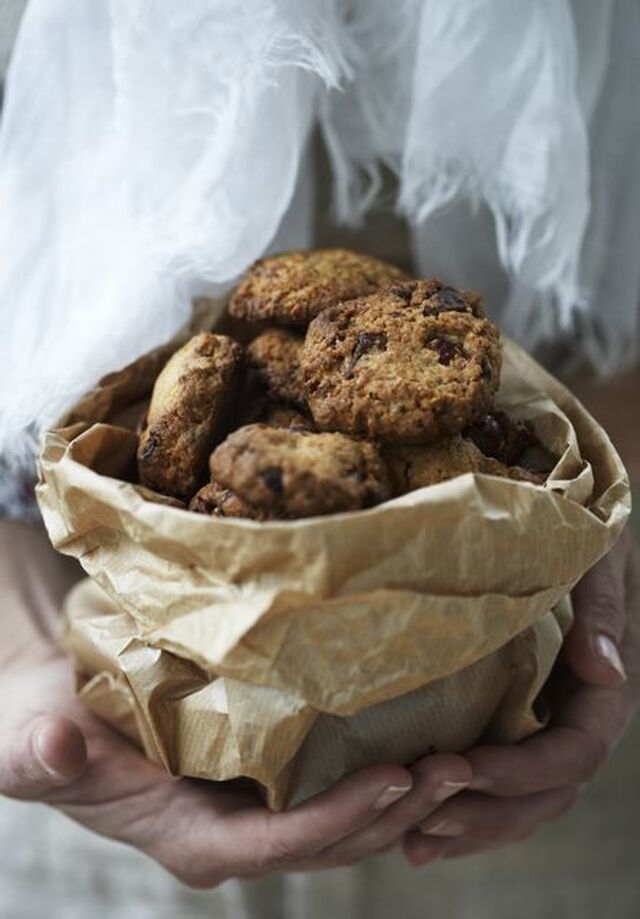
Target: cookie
(275, 356)
(186, 414)
(415, 467)
(283, 416)
(250, 403)
(500, 436)
(300, 474)
(215, 501)
(433, 297)
(380, 367)
(292, 288)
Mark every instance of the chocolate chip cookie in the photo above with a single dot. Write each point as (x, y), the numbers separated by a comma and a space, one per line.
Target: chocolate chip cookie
(300, 474)
(283, 416)
(292, 288)
(382, 367)
(275, 355)
(215, 501)
(434, 297)
(186, 414)
(415, 467)
(500, 436)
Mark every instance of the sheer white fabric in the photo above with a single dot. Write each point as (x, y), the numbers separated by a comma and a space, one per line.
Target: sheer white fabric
(150, 149)
(148, 153)
(472, 99)
(603, 325)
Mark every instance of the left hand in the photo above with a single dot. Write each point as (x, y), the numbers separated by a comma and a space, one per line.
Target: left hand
(517, 788)
(53, 750)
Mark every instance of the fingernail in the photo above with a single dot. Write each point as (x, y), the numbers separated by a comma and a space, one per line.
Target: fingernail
(422, 852)
(447, 789)
(442, 828)
(39, 744)
(606, 649)
(391, 794)
(480, 783)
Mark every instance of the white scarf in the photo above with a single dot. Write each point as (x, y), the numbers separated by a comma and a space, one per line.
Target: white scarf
(149, 150)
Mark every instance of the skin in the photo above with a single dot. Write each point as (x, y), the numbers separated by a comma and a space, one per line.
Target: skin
(54, 751)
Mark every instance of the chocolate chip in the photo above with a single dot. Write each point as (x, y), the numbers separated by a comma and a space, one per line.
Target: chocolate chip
(370, 341)
(365, 343)
(403, 291)
(444, 348)
(446, 300)
(273, 479)
(487, 435)
(149, 448)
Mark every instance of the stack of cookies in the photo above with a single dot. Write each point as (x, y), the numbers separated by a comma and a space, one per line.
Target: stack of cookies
(357, 384)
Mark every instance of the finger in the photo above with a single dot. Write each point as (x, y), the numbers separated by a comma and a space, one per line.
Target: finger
(474, 817)
(435, 778)
(568, 753)
(42, 755)
(422, 850)
(592, 647)
(257, 841)
(631, 641)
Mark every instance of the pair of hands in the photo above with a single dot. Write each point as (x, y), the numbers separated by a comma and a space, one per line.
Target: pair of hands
(53, 750)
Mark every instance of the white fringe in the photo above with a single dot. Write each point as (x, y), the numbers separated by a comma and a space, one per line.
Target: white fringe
(472, 99)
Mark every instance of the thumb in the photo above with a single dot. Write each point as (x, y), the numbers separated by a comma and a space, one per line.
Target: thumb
(40, 756)
(592, 647)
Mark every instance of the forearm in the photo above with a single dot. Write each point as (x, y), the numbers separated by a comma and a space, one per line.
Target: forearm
(33, 582)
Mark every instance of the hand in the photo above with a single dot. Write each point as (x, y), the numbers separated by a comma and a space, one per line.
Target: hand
(55, 751)
(515, 789)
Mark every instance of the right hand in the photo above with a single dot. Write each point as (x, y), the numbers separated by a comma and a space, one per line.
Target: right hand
(53, 750)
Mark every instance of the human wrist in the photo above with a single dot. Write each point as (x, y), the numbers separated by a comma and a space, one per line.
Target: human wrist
(33, 582)
(25, 654)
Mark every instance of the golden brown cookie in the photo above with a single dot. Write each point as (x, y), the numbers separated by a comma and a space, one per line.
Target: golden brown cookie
(300, 474)
(415, 467)
(250, 402)
(380, 367)
(275, 356)
(292, 288)
(433, 297)
(500, 436)
(186, 414)
(283, 416)
(216, 501)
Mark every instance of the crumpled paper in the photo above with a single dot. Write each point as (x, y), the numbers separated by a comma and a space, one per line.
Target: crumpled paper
(294, 652)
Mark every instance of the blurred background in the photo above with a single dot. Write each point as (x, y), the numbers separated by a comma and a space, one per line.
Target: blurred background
(583, 867)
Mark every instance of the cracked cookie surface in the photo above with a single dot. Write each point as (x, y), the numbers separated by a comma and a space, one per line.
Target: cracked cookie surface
(415, 467)
(434, 297)
(294, 473)
(383, 367)
(292, 288)
(275, 357)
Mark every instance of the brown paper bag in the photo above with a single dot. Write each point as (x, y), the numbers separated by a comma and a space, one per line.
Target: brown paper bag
(293, 652)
